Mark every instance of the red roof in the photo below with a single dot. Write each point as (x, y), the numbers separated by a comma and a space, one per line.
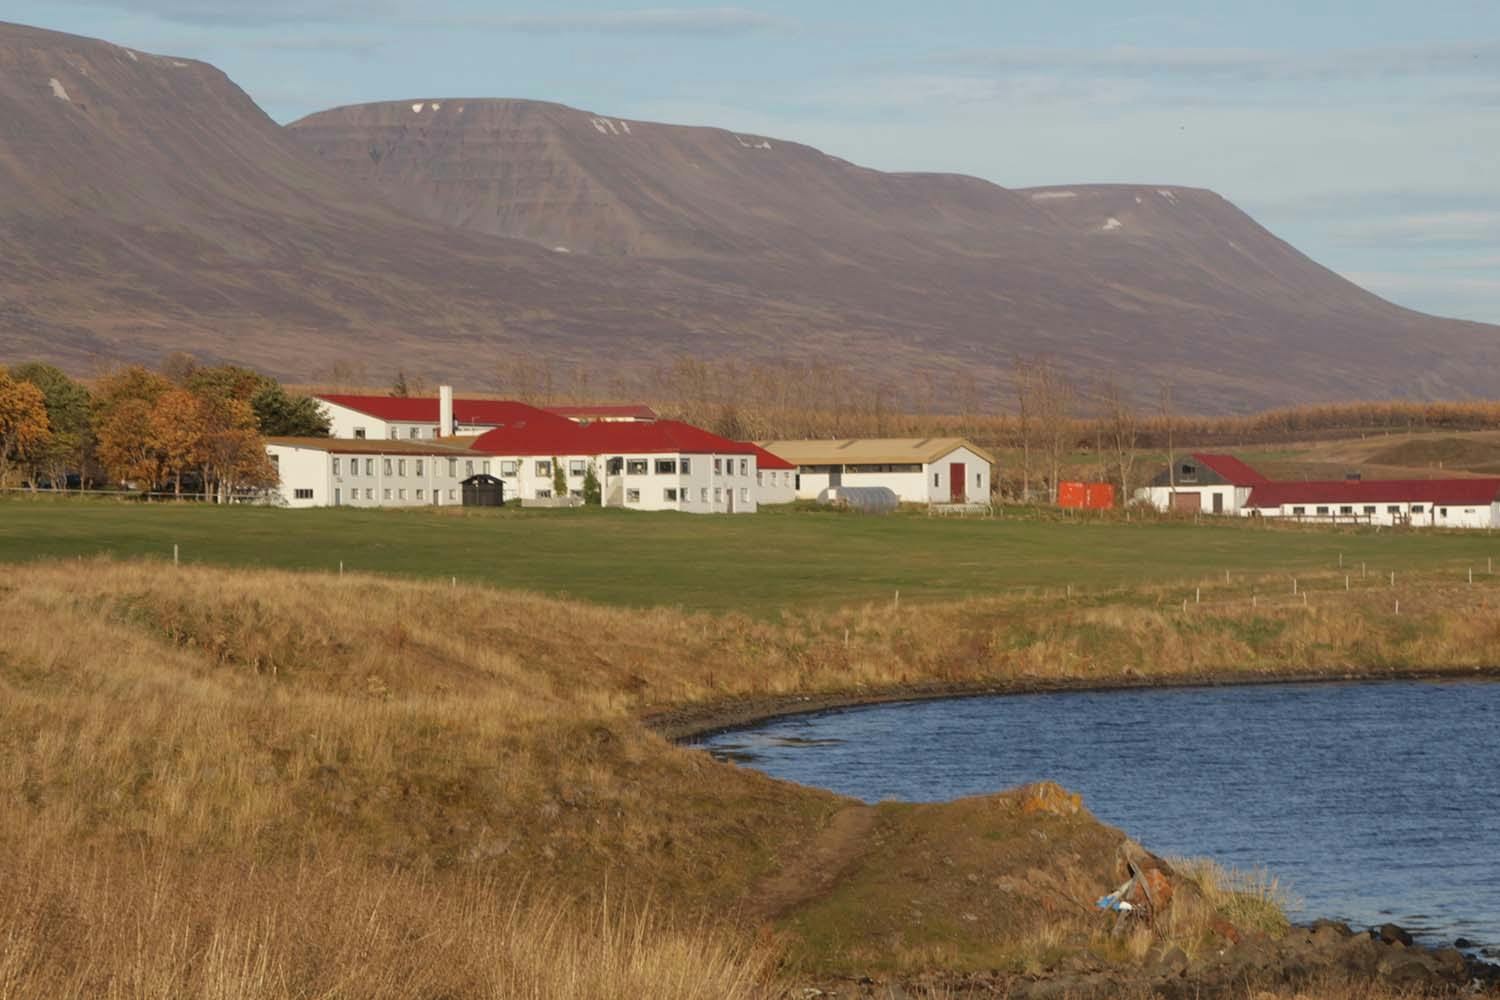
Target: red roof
(420, 410)
(635, 412)
(766, 460)
(564, 437)
(1232, 469)
(1451, 492)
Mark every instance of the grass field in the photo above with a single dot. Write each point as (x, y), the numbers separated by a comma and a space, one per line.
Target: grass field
(753, 564)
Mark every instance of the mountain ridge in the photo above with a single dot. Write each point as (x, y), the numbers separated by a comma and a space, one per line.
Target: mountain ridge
(149, 205)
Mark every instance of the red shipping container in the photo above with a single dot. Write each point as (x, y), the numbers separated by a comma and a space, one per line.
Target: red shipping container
(1072, 495)
(1099, 496)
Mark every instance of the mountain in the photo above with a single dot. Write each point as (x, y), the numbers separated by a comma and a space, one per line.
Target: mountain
(147, 205)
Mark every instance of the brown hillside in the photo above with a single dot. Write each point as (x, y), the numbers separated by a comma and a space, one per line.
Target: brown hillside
(147, 205)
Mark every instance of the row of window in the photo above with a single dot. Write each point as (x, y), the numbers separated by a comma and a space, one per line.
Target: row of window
(672, 494)
(1416, 508)
(577, 467)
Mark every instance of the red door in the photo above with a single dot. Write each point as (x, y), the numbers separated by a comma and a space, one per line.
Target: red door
(956, 482)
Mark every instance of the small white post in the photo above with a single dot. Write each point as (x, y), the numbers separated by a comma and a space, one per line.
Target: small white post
(341, 567)
(898, 599)
(1184, 605)
(454, 584)
(1226, 576)
(1255, 600)
(1294, 586)
(1361, 571)
(1341, 560)
(1471, 576)
(1393, 578)
(1491, 564)
(1198, 596)
(1346, 581)
(1398, 605)
(846, 638)
(1070, 591)
(174, 553)
(1304, 598)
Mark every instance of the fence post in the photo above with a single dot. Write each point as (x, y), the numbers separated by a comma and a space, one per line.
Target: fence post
(174, 553)
(341, 567)
(1346, 581)
(1393, 578)
(1198, 596)
(1294, 586)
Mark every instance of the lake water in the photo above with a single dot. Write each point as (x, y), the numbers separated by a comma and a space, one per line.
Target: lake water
(1373, 802)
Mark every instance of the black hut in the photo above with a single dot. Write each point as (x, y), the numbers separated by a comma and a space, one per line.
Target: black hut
(483, 490)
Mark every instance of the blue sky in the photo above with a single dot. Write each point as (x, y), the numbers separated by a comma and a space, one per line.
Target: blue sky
(1365, 133)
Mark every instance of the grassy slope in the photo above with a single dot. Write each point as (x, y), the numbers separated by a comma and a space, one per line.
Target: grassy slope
(347, 784)
(758, 565)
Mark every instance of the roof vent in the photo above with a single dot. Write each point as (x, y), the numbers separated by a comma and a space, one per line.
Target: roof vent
(1352, 477)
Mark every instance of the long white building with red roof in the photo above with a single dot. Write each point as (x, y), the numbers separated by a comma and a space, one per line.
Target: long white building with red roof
(1223, 484)
(394, 451)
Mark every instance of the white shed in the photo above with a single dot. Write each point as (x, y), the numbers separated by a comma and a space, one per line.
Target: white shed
(918, 470)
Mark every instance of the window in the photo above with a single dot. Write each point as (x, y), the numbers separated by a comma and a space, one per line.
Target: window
(666, 466)
(760, 478)
(687, 466)
(303, 494)
(577, 468)
(453, 495)
(419, 466)
(718, 466)
(414, 433)
(400, 466)
(543, 467)
(506, 468)
(1189, 473)
(1322, 510)
(576, 493)
(452, 468)
(468, 466)
(1370, 509)
(979, 480)
(632, 496)
(1299, 510)
(1417, 508)
(420, 495)
(387, 493)
(1393, 509)
(1346, 510)
(744, 494)
(401, 494)
(335, 465)
(1442, 512)
(935, 479)
(669, 495)
(369, 494)
(359, 433)
(486, 469)
(544, 494)
(387, 466)
(703, 495)
(369, 467)
(744, 467)
(635, 467)
(395, 433)
(718, 494)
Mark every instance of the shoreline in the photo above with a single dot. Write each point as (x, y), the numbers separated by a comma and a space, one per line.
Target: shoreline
(685, 724)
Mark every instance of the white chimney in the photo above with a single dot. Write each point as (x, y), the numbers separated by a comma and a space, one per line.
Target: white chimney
(445, 410)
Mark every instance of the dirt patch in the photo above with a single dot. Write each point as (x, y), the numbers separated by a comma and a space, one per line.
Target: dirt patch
(814, 871)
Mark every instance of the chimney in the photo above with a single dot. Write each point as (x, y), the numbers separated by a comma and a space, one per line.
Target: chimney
(445, 410)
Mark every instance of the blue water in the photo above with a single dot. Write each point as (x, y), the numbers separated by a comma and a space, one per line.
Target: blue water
(1371, 802)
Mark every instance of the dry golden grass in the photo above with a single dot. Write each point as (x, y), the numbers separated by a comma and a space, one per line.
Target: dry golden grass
(221, 783)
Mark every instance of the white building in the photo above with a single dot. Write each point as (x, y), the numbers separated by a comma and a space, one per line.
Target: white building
(328, 472)
(1421, 503)
(1202, 483)
(775, 478)
(639, 464)
(411, 418)
(918, 470)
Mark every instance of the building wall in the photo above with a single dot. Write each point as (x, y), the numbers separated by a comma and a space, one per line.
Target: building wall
(713, 484)
(775, 486)
(937, 478)
(1429, 516)
(311, 477)
(1160, 497)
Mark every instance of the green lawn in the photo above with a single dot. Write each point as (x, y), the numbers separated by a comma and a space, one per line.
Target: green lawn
(754, 563)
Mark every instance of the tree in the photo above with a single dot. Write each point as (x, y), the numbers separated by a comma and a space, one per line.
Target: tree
(69, 420)
(399, 388)
(23, 422)
(280, 414)
(177, 428)
(1025, 422)
(592, 492)
(230, 381)
(126, 448)
(559, 478)
(232, 454)
(1049, 404)
(1122, 430)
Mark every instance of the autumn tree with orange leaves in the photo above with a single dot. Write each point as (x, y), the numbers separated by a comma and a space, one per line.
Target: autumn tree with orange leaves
(23, 422)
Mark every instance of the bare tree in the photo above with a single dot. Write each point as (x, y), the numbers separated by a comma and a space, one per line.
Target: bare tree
(1122, 428)
(1170, 420)
(1053, 395)
(1022, 379)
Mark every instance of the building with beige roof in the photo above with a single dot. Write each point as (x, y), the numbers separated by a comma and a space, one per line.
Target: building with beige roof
(918, 470)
